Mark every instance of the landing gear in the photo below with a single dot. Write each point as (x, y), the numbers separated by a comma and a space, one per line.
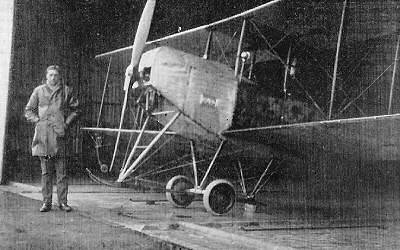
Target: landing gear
(177, 191)
(219, 197)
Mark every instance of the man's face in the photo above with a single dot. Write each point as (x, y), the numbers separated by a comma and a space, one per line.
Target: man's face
(53, 77)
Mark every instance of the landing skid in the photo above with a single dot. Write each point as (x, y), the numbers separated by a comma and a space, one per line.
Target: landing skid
(99, 180)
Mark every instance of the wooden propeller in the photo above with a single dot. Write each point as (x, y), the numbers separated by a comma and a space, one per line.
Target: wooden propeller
(137, 50)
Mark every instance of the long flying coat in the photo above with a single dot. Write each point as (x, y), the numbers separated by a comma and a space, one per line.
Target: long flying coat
(52, 112)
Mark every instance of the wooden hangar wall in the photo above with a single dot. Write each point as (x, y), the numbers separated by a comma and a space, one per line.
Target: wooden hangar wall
(68, 33)
(42, 37)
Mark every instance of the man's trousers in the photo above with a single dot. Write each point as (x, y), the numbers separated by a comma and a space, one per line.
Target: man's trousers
(49, 166)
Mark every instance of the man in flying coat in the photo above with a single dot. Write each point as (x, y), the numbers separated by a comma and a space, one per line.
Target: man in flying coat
(52, 107)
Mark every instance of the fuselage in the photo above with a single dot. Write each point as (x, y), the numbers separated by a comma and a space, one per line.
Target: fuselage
(210, 98)
(203, 91)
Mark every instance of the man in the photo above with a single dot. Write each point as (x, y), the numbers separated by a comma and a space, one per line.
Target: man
(52, 107)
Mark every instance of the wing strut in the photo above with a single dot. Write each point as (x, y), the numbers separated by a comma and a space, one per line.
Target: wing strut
(336, 60)
(207, 51)
(287, 69)
(104, 91)
(239, 50)
(396, 58)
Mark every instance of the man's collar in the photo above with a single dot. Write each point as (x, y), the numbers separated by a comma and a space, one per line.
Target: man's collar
(53, 89)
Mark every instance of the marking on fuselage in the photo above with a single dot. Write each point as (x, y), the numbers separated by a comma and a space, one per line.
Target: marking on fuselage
(208, 101)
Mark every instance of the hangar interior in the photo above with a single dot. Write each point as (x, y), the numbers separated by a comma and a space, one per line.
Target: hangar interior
(66, 33)
(70, 33)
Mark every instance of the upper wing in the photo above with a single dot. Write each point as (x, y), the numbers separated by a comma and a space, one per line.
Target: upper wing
(194, 40)
(373, 138)
(316, 23)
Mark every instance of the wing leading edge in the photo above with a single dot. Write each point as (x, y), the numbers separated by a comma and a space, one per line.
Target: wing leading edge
(201, 32)
(315, 23)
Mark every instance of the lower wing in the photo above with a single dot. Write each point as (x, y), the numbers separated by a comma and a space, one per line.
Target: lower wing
(372, 138)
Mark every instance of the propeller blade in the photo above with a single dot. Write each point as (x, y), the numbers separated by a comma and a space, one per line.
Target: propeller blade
(137, 50)
(140, 40)
(142, 32)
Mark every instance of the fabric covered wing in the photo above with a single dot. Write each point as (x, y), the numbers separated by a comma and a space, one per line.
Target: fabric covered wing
(314, 23)
(374, 138)
(226, 31)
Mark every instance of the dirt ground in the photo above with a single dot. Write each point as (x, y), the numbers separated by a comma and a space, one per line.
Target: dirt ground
(119, 218)
(22, 226)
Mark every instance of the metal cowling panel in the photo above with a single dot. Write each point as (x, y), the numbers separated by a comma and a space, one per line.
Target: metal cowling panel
(204, 90)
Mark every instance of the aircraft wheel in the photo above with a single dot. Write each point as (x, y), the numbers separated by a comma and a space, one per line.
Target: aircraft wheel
(176, 191)
(219, 197)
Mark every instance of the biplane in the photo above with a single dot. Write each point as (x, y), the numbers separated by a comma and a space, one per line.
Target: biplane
(272, 83)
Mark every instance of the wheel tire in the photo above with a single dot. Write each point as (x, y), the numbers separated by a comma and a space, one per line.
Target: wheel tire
(178, 184)
(219, 197)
